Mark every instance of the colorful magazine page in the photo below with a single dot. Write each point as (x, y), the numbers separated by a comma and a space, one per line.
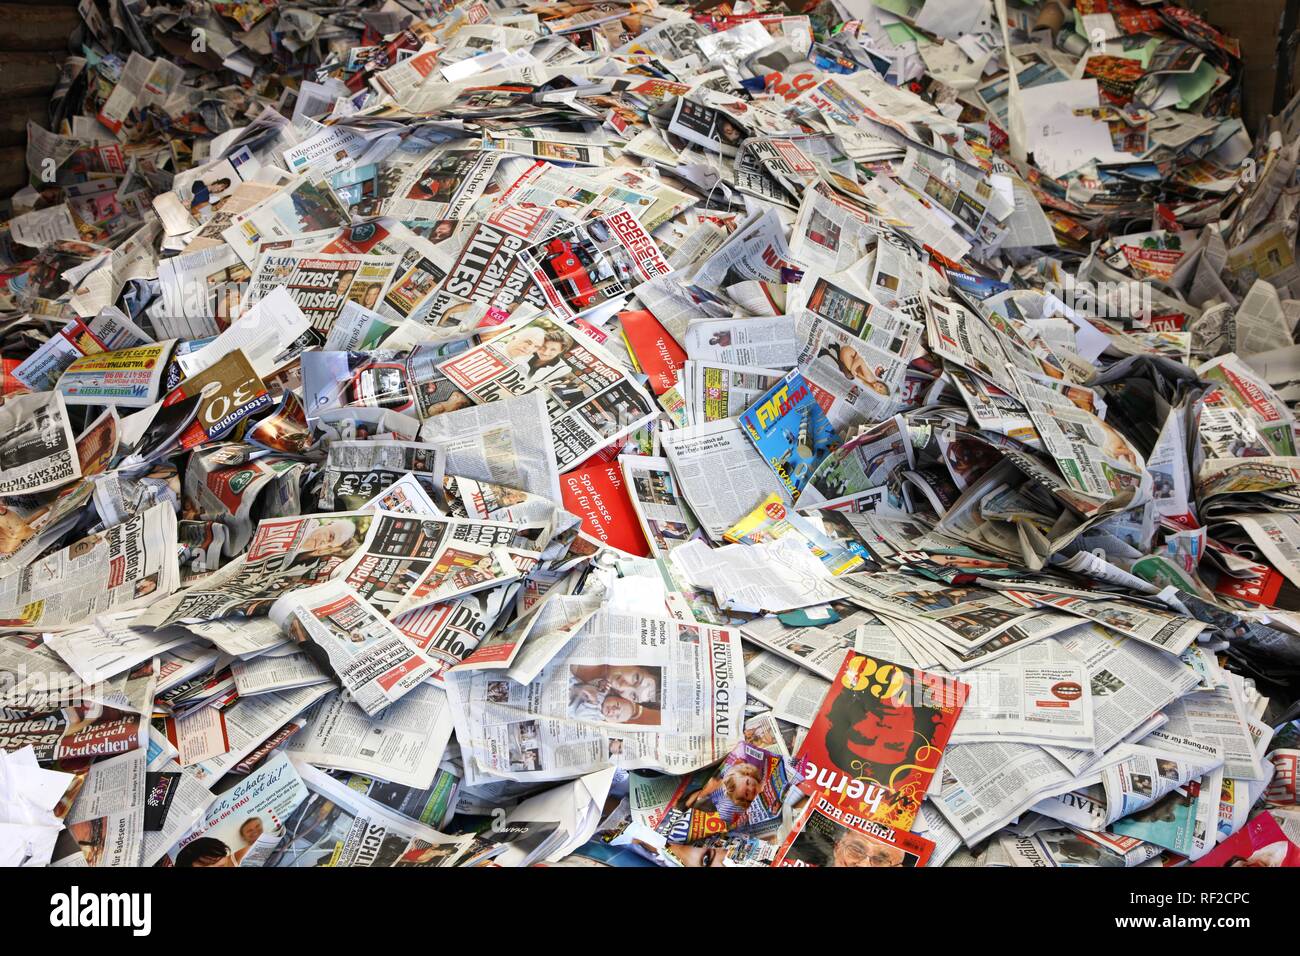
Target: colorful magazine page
(1169, 822)
(878, 736)
(772, 520)
(746, 792)
(829, 835)
(1260, 842)
(790, 430)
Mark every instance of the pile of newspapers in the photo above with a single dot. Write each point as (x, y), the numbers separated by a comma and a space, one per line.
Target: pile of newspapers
(512, 433)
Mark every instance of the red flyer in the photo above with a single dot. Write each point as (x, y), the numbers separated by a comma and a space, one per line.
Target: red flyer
(597, 495)
(656, 352)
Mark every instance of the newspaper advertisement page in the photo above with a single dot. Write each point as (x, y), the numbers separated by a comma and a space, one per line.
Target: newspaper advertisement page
(373, 660)
(715, 390)
(1211, 721)
(108, 331)
(771, 521)
(637, 692)
(129, 378)
(866, 376)
(1130, 681)
(128, 565)
(186, 801)
(244, 824)
(722, 475)
(38, 449)
(403, 743)
(1037, 694)
(591, 401)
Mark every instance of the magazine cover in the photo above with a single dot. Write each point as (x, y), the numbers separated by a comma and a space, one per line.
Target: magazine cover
(790, 430)
(878, 736)
(745, 793)
(829, 835)
(1260, 843)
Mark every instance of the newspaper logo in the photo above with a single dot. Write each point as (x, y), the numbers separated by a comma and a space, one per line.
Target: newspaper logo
(76, 909)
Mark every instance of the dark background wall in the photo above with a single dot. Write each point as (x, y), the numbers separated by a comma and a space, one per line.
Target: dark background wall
(34, 39)
(33, 42)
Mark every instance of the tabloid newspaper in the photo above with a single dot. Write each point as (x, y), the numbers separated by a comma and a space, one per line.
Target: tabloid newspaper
(583, 268)
(37, 444)
(320, 285)
(337, 825)
(284, 554)
(373, 660)
(592, 402)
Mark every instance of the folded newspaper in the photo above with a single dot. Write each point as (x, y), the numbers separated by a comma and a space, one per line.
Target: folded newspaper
(651, 434)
